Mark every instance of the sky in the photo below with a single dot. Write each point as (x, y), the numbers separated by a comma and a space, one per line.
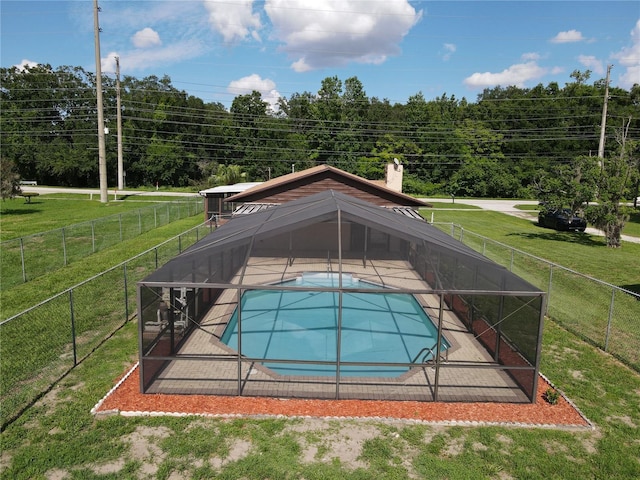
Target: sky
(219, 49)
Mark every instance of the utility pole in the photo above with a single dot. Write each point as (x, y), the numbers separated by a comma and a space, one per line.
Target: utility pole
(102, 153)
(603, 123)
(119, 127)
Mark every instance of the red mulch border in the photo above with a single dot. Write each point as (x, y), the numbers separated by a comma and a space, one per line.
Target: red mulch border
(125, 398)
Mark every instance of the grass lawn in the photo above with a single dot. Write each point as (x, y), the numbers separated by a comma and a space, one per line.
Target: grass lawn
(59, 438)
(451, 205)
(53, 211)
(581, 252)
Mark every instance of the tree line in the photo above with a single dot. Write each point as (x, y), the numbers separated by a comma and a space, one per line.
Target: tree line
(504, 144)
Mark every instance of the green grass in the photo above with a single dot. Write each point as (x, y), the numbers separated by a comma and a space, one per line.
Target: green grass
(528, 208)
(452, 205)
(583, 253)
(53, 211)
(86, 232)
(23, 296)
(632, 227)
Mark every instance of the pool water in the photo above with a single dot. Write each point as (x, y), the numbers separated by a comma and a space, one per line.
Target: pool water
(302, 325)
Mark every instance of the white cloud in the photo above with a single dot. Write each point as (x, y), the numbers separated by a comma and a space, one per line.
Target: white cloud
(629, 58)
(569, 36)
(234, 21)
(329, 33)
(140, 59)
(265, 86)
(449, 49)
(531, 56)
(517, 75)
(24, 64)
(147, 37)
(592, 63)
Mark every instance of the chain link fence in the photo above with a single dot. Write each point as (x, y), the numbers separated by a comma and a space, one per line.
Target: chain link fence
(602, 314)
(28, 257)
(43, 343)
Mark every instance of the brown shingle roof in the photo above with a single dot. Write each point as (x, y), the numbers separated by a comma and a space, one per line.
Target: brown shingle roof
(311, 175)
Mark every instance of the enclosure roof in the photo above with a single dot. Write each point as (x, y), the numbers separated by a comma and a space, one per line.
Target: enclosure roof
(329, 206)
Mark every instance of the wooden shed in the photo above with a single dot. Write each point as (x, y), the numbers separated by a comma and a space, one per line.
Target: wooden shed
(319, 179)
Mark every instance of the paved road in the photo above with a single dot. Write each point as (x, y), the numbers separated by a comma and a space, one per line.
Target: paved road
(111, 192)
(509, 207)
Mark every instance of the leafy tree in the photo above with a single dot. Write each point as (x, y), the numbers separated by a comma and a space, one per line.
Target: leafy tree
(609, 214)
(483, 171)
(571, 185)
(228, 175)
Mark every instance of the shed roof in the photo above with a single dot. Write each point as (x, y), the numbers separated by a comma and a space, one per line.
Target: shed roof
(235, 188)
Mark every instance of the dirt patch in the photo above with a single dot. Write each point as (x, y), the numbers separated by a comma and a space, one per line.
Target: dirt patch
(553, 447)
(5, 461)
(590, 442)
(479, 447)
(325, 440)
(143, 447)
(108, 468)
(237, 450)
(454, 448)
(622, 419)
(57, 474)
(345, 446)
(577, 374)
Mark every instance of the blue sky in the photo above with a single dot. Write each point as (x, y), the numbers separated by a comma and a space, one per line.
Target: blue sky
(218, 49)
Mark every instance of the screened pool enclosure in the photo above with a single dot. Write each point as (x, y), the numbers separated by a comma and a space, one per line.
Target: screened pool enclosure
(331, 297)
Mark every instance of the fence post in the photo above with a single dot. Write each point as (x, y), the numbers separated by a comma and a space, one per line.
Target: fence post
(73, 329)
(24, 267)
(549, 287)
(606, 337)
(126, 294)
(461, 234)
(511, 264)
(93, 236)
(155, 250)
(64, 248)
(484, 247)
(155, 216)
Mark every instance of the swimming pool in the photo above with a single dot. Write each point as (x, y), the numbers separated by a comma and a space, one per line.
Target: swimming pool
(302, 325)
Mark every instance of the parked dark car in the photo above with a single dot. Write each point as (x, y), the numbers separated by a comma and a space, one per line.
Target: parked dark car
(562, 219)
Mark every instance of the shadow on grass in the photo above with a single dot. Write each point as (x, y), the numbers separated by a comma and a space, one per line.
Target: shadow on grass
(567, 237)
(22, 211)
(635, 288)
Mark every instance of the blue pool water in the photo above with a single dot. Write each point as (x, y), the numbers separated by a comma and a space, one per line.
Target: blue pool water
(294, 325)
